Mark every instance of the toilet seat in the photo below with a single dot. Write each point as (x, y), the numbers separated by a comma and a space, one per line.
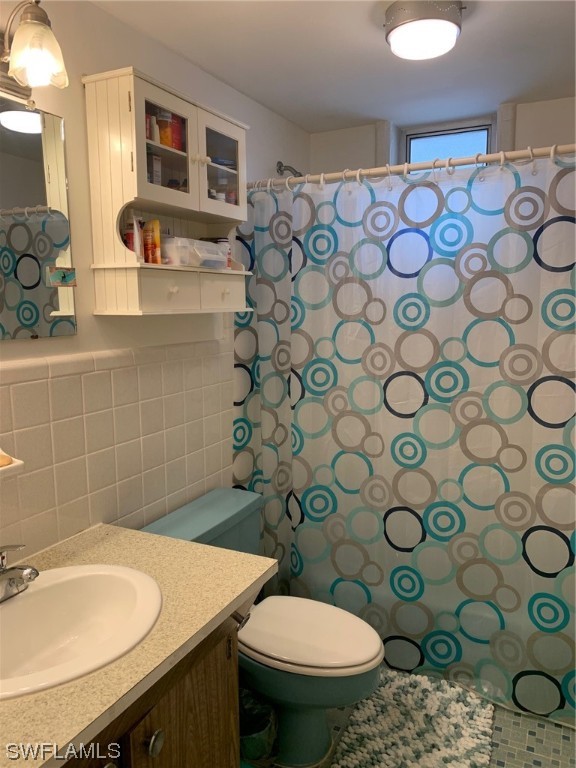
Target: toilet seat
(309, 638)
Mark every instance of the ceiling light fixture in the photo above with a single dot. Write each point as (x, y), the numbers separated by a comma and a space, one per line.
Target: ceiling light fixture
(34, 56)
(419, 29)
(21, 121)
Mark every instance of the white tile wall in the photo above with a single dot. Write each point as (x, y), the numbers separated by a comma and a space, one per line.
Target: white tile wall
(121, 437)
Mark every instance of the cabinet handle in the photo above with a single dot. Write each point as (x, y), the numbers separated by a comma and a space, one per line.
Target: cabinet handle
(173, 290)
(206, 159)
(226, 292)
(241, 620)
(156, 743)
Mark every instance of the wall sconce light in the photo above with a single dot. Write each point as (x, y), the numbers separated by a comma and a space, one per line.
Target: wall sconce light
(420, 29)
(34, 56)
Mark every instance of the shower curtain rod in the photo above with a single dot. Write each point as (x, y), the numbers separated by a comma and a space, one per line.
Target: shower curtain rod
(395, 170)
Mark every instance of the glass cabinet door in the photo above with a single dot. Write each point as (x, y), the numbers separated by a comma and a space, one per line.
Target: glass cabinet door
(166, 147)
(222, 163)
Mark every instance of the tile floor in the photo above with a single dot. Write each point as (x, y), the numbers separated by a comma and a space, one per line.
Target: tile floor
(523, 741)
(518, 741)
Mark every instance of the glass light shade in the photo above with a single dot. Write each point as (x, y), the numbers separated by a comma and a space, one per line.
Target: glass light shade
(21, 121)
(423, 39)
(36, 58)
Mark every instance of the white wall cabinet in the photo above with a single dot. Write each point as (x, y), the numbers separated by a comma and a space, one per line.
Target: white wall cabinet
(155, 153)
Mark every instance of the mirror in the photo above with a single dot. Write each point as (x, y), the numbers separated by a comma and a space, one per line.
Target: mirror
(36, 272)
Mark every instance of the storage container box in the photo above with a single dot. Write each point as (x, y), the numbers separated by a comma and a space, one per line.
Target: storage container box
(188, 252)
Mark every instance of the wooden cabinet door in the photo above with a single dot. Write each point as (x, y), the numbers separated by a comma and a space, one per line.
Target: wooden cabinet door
(197, 719)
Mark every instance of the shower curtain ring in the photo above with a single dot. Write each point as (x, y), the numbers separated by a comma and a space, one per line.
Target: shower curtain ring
(321, 182)
(268, 185)
(405, 171)
(553, 153)
(359, 176)
(533, 159)
(389, 177)
(287, 183)
(478, 167)
(344, 172)
(307, 178)
(449, 169)
(437, 160)
(502, 160)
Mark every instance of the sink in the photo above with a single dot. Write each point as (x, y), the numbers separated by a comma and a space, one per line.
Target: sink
(71, 621)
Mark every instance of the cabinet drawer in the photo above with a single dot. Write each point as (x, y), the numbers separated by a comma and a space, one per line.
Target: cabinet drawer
(166, 292)
(222, 291)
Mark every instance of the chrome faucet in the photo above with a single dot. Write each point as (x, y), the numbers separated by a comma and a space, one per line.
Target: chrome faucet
(15, 579)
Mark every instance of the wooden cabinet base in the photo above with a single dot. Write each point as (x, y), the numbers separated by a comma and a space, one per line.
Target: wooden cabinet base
(188, 719)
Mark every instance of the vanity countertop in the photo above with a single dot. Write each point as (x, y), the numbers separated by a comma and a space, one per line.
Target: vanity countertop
(201, 586)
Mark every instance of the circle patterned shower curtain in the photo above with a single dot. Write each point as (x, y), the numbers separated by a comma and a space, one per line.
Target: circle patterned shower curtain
(404, 395)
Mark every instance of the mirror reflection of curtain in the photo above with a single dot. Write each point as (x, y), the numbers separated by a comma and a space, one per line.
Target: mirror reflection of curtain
(29, 244)
(404, 398)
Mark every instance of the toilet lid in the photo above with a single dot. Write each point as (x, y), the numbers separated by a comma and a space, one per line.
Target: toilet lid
(299, 632)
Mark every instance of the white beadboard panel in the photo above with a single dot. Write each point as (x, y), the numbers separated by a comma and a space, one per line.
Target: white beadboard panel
(118, 252)
(93, 130)
(106, 155)
(127, 139)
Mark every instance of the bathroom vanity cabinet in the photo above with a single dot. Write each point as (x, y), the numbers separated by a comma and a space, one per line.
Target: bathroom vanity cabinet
(154, 154)
(181, 679)
(189, 718)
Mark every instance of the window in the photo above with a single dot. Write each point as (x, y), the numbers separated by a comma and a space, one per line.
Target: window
(463, 139)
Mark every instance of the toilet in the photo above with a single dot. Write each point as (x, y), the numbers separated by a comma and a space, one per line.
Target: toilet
(302, 655)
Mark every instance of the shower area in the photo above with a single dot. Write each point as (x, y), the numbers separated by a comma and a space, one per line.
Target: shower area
(405, 400)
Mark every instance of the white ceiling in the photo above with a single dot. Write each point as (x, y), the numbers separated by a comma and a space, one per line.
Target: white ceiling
(325, 64)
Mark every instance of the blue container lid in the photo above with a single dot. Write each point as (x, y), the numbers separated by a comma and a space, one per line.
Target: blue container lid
(207, 517)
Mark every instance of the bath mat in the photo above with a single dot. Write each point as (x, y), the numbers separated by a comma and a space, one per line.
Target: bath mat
(414, 721)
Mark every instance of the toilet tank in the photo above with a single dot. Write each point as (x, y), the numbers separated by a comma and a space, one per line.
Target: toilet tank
(224, 517)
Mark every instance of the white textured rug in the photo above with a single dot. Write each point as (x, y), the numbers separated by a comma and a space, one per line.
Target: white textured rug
(413, 721)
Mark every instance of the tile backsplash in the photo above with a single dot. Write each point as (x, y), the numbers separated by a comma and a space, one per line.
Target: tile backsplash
(124, 437)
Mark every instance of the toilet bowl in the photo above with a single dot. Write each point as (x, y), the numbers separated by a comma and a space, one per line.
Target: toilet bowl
(303, 655)
(307, 657)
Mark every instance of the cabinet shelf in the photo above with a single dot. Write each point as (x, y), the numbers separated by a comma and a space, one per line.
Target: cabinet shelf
(131, 174)
(223, 168)
(164, 148)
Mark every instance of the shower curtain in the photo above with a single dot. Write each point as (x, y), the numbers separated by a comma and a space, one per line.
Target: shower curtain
(404, 394)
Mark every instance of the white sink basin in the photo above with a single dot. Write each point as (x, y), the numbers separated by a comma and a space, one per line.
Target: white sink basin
(70, 621)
